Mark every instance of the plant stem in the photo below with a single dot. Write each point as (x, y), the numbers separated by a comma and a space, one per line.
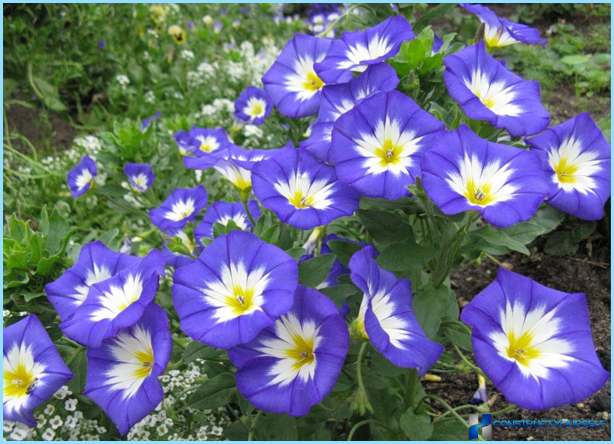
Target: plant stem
(359, 366)
(357, 425)
(252, 427)
(249, 215)
(467, 361)
(446, 405)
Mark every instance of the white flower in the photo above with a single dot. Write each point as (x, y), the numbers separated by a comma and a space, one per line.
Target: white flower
(78, 415)
(252, 131)
(208, 110)
(122, 79)
(169, 422)
(7, 426)
(71, 405)
(56, 422)
(49, 409)
(70, 422)
(217, 431)
(162, 429)
(187, 54)
(149, 97)
(162, 415)
(48, 435)
(19, 434)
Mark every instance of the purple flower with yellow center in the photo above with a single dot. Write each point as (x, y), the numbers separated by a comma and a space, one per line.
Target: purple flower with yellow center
(302, 191)
(149, 120)
(355, 51)
(122, 374)
(378, 145)
(253, 105)
(96, 264)
(463, 172)
(339, 99)
(81, 177)
(386, 317)
(499, 31)
(576, 159)
(294, 364)
(179, 208)
(32, 369)
(140, 176)
(223, 213)
(487, 90)
(116, 303)
(237, 286)
(292, 83)
(206, 141)
(534, 343)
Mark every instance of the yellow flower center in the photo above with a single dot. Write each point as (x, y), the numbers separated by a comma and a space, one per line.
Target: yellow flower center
(257, 110)
(18, 383)
(300, 201)
(479, 194)
(206, 147)
(389, 153)
(302, 353)
(146, 358)
(488, 103)
(521, 349)
(565, 171)
(241, 301)
(313, 82)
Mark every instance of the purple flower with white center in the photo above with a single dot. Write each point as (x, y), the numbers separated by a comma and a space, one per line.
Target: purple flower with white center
(499, 31)
(140, 176)
(339, 99)
(386, 317)
(184, 142)
(487, 90)
(292, 83)
(302, 191)
(205, 141)
(253, 105)
(179, 208)
(224, 212)
(122, 374)
(149, 120)
(378, 145)
(576, 158)
(534, 343)
(463, 172)
(96, 264)
(32, 369)
(81, 177)
(294, 364)
(237, 286)
(354, 51)
(116, 303)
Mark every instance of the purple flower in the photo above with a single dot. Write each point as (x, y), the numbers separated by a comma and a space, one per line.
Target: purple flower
(150, 119)
(184, 142)
(500, 32)
(302, 191)
(223, 11)
(217, 26)
(190, 25)
(96, 264)
(576, 158)
(179, 208)
(486, 90)
(534, 343)
(238, 286)
(102, 44)
(338, 269)
(224, 212)
(293, 364)
(504, 184)
(253, 105)
(81, 177)
(386, 318)
(116, 303)
(140, 176)
(378, 145)
(339, 99)
(206, 141)
(122, 374)
(175, 260)
(354, 51)
(437, 44)
(292, 82)
(32, 369)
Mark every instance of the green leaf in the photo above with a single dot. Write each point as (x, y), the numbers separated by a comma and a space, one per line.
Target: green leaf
(576, 59)
(28, 296)
(431, 305)
(45, 265)
(17, 229)
(78, 366)
(59, 233)
(214, 393)
(495, 237)
(583, 229)
(344, 250)
(312, 272)
(405, 255)
(296, 252)
(271, 234)
(561, 243)
(220, 229)
(448, 431)
(112, 190)
(548, 217)
(277, 428)
(416, 427)
(385, 228)
(197, 350)
(339, 293)
(432, 14)
(456, 334)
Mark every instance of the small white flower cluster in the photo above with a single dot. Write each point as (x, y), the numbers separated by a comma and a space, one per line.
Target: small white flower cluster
(91, 144)
(122, 80)
(53, 163)
(149, 97)
(186, 54)
(321, 22)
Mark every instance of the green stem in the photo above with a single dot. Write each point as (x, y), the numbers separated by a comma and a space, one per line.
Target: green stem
(331, 27)
(359, 367)
(494, 259)
(252, 427)
(249, 215)
(445, 404)
(467, 361)
(357, 426)
(74, 355)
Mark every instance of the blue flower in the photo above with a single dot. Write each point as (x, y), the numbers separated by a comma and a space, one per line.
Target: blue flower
(140, 176)
(32, 369)
(302, 191)
(576, 158)
(81, 177)
(116, 303)
(253, 105)
(205, 141)
(238, 286)
(179, 208)
(378, 145)
(386, 317)
(96, 263)
(354, 51)
(534, 343)
(150, 119)
(504, 184)
(294, 364)
(486, 90)
(224, 212)
(122, 373)
(184, 142)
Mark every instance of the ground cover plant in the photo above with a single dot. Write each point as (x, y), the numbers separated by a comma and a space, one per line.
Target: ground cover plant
(259, 228)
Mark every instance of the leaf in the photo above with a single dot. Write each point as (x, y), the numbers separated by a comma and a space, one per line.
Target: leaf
(344, 250)
(108, 237)
(448, 431)
(576, 59)
(112, 190)
(339, 293)
(220, 229)
(45, 265)
(312, 272)
(583, 229)
(78, 366)
(59, 233)
(495, 237)
(271, 234)
(405, 255)
(296, 252)
(28, 296)
(197, 350)
(416, 427)
(213, 393)
(561, 243)
(548, 217)
(456, 334)
(432, 14)
(385, 228)
(277, 428)
(431, 305)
